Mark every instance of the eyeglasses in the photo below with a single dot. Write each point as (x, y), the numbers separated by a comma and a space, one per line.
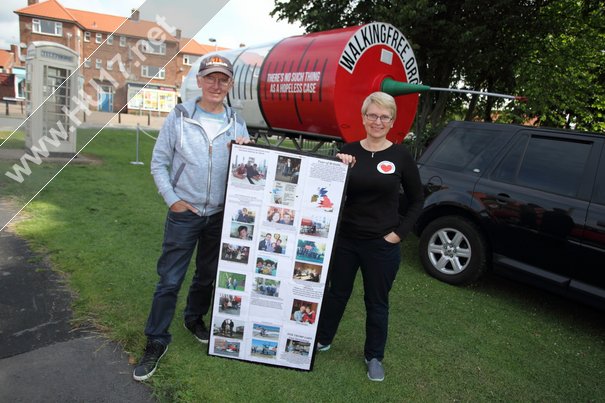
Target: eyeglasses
(222, 82)
(372, 117)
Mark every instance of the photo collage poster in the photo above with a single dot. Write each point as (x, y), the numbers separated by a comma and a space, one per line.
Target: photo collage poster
(281, 212)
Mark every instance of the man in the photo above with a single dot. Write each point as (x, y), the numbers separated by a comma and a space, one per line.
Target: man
(190, 166)
(265, 244)
(287, 219)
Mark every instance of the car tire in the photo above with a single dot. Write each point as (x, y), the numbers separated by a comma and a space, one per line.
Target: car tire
(452, 249)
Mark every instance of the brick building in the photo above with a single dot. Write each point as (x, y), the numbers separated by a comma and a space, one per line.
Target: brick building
(117, 65)
(12, 73)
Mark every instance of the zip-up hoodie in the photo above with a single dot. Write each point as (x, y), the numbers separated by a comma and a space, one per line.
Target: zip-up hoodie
(186, 166)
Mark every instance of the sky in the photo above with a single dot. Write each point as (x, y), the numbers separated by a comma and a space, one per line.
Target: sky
(239, 21)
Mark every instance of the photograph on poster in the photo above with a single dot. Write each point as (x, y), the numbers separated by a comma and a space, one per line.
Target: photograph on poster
(298, 347)
(263, 348)
(235, 253)
(229, 304)
(228, 328)
(303, 311)
(265, 331)
(266, 266)
(307, 272)
(241, 231)
(273, 242)
(249, 169)
(283, 193)
(277, 215)
(310, 251)
(320, 198)
(315, 225)
(244, 215)
(287, 169)
(232, 281)
(226, 347)
(266, 287)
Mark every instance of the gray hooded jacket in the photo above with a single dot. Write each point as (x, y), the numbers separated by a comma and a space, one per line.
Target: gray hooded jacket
(186, 166)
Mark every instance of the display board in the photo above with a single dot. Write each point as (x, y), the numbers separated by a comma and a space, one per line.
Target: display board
(281, 213)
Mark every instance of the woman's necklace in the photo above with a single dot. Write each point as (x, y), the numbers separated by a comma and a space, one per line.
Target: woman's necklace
(373, 150)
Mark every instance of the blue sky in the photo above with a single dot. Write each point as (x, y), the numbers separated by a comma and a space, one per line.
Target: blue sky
(239, 21)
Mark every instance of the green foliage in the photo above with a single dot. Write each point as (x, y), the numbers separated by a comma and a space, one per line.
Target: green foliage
(102, 225)
(550, 51)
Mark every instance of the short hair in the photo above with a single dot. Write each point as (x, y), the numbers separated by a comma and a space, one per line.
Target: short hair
(381, 99)
(242, 227)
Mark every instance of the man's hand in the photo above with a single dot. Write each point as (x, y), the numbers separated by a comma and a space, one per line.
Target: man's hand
(182, 206)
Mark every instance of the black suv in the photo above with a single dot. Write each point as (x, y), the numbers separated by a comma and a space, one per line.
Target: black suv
(527, 202)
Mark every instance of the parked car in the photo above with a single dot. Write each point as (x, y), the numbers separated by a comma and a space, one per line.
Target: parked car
(525, 202)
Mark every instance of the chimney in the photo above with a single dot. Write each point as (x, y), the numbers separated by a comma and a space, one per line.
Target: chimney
(16, 51)
(135, 14)
(177, 35)
(31, 2)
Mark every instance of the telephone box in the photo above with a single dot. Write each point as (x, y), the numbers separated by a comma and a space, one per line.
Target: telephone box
(51, 87)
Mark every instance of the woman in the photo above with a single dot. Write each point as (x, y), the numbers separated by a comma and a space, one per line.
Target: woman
(275, 217)
(371, 228)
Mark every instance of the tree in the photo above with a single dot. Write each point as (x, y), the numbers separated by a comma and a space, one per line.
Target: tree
(505, 46)
(563, 73)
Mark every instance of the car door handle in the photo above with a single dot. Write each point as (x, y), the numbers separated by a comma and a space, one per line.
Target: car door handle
(502, 198)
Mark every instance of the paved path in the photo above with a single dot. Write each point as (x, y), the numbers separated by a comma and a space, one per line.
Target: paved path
(42, 357)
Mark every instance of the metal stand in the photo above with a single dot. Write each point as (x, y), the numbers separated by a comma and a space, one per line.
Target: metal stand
(137, 162)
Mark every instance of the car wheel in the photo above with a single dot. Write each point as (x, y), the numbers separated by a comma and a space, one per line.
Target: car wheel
(453, 250)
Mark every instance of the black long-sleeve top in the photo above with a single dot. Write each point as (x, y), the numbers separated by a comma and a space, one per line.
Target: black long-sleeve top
(371, 208)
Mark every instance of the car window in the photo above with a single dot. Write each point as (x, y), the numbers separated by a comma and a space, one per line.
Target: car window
(545, 163)
(599, 190)
(467, 149)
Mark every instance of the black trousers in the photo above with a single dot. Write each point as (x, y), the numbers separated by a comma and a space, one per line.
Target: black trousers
(379, 262)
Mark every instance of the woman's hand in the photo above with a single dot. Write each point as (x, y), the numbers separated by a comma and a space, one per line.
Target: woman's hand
(346, 159)
(392, 237)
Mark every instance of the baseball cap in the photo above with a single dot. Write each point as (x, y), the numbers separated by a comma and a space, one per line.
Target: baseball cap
(215, 64)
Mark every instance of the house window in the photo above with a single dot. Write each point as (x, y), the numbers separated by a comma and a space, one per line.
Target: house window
(98, 64)
(153, 72)
(159, 49)
(122, 41)
(99, 38)
(110, 40)
(86, 36)
(189, 59)
(87, 63)
(110, 65)
(47, 27)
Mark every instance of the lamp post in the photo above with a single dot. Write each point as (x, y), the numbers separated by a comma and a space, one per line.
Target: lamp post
(215, 44)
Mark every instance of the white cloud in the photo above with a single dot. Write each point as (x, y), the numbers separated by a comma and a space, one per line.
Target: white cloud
(243, 21)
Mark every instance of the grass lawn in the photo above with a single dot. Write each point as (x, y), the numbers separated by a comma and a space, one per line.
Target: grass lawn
(102, 226)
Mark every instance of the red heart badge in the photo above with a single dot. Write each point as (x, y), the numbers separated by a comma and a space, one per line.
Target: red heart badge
(386, 167)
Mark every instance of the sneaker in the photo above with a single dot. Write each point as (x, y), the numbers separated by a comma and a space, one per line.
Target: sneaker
(323, 347)
(375, 370)
(199, 330)
(154, 351)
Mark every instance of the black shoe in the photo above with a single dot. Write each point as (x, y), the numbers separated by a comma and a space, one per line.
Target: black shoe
(146, 367)
(199, 330)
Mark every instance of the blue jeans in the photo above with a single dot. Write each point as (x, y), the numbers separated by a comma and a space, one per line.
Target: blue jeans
(379, 263)
(182, 233)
